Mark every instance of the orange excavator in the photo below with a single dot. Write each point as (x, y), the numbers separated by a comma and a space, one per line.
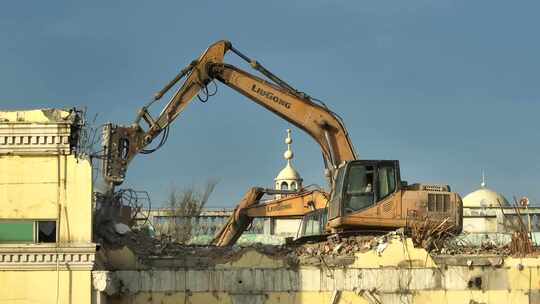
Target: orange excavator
(364, 194)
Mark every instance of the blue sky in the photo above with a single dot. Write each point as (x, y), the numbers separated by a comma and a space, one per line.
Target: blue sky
(447, 87)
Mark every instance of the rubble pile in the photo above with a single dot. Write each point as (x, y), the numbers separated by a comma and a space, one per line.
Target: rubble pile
(334, 250)
(456, 246)
(337, 246)
(117, 236)
(515, 244)
(142, 244)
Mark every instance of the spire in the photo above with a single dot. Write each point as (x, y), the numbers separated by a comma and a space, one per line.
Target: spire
(288, 178)
(483, 184)
(288, 155)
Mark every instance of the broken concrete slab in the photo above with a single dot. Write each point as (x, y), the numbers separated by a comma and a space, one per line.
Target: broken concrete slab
(43, 116)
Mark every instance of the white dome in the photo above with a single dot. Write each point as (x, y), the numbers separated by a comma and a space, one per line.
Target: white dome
(484, 197)
(288, 173)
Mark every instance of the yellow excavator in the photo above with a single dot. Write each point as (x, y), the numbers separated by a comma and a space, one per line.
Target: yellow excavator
(364, 194)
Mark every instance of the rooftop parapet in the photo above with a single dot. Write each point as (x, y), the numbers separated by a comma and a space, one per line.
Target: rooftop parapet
(38, 132)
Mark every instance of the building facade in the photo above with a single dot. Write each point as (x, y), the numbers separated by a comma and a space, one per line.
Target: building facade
(488, 217)
(46, 248)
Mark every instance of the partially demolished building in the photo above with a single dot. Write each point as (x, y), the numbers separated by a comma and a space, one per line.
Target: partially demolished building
(48, 254)
(46, 248)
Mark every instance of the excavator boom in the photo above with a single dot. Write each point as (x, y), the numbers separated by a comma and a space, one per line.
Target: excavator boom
(319, 122)
(295, 206)
(324, 126)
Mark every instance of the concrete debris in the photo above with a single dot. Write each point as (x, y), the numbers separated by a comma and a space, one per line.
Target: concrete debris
(343, 246)
(156, 252)
(455, 247)
(43, 116)
(341, 251)
(105, 282)
(519, 245)
(121, 228)
(337, 248)
(381, 247)
(333, 251)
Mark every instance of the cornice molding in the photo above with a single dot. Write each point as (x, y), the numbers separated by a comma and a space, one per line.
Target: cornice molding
(37, 257)
(34, 138)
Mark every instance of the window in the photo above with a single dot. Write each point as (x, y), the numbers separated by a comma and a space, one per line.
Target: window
(359, 188)
(284, 186)
(314, 222)
(334, 206)
(27, 231)
(17, 231)
(46, 232)
(387, 181)
(293, 186)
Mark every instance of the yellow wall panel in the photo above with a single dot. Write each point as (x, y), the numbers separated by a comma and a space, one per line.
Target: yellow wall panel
(42, 187)
(40, 287)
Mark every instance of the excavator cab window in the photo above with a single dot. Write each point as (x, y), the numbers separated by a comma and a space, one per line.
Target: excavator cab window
(314, 223)
(368, 182)
(386, 184)
(359, 192)
(334, 205)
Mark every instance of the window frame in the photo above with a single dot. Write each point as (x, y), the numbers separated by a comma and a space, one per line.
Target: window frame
(346, 184)
(375, 186)
(319, 217)
(394, 169)
(35, 231)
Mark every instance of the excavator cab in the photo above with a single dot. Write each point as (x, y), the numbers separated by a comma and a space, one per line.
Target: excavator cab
(361, 186)
(369, 195)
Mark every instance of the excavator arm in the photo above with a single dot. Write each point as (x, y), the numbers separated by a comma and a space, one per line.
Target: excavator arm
(123, 143)
(249, 208)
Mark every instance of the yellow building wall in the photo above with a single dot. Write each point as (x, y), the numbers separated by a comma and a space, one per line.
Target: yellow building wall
(517, 280)
(48, 187)
(313, 297)
(45, 287)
